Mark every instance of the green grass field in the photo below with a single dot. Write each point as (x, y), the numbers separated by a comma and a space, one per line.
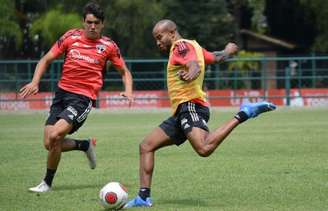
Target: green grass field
(278, 161)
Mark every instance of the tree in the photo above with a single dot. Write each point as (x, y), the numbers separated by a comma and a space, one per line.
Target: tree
(10, 33)
(288, 21)
(130, 23)
(206, 21)
(318, 10)
(52, 25)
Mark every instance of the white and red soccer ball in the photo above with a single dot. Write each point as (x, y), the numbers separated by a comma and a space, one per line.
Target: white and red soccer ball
(113, 196)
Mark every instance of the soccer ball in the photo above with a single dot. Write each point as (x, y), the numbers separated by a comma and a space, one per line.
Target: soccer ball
(113, 196)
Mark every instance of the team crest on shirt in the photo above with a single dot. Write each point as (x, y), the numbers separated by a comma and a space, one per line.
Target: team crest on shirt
(100, 48)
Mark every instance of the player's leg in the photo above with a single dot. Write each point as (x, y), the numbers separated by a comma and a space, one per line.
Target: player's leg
(69, 144)
(155, 140)
(67, 114)
(53, 138)
(77, 109)
(204, 142)
(152, 142)
(74, 108)
(88, 146)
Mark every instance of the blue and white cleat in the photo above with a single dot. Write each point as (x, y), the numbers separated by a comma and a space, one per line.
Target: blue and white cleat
(139, 202)
(252, 110)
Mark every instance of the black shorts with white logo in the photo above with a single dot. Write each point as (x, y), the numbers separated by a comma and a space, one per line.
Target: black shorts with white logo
(74, 108)
(188, 115)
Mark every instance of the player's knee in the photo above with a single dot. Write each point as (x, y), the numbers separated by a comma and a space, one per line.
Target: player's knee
(203, 152)
(144, 148)
(54, 141)
(53, 136)
(46, 145)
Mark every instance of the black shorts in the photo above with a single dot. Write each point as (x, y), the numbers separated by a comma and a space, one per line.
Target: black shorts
(188, 115)
(74, 108)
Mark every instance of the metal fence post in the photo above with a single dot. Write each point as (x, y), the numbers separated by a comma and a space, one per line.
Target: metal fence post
(287, 85)
(264, 79)
(314, 67)
(16, 78)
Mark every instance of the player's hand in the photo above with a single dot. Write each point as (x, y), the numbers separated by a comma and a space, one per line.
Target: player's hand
(28, 90)
(129, 96)
(192, 72)
(231, 49)
(188, 75)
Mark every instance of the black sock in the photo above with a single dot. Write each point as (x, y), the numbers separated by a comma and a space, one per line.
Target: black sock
(241, 116)
(144, 193)
(81, 145)
(50, 176)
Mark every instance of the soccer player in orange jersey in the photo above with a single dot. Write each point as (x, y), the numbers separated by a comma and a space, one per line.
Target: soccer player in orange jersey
(86, 54)
(190, 112)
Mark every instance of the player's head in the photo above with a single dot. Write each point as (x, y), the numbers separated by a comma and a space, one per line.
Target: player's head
(165, 33)
(93, 20)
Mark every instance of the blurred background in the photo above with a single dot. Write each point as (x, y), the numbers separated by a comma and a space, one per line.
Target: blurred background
(283, 45)
(29, 27)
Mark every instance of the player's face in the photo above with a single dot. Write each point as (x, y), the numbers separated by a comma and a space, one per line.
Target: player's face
(163, 39)
(92, 26)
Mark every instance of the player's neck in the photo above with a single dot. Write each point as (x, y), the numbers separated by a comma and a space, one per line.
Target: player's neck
(177, 37)
(91, 39)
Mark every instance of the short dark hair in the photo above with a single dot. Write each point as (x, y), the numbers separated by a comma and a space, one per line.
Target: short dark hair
(95, 9)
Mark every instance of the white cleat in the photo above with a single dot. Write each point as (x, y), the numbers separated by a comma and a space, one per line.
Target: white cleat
(41, 188)
(91, 153)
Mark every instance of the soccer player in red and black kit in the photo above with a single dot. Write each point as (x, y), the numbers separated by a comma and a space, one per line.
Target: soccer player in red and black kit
(190, 112)
(86, 54)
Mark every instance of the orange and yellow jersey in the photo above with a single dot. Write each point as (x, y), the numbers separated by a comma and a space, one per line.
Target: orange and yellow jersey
(182, 51)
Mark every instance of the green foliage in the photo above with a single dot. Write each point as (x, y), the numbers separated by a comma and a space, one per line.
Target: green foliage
(53, 24)
(9, 27)
(257, 7)
(258, 19)
(243, 64)
(208, 21)
(130, 23)
(319, 10)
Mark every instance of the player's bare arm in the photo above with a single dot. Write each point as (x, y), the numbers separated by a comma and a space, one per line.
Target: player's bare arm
(193, 71)
(33, 87)
(229, 50)
(128, 83)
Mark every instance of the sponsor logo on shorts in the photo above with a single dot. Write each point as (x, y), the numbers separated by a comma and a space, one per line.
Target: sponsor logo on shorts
(84, 115)
(186, 126)
(72, 110)
(183, 121)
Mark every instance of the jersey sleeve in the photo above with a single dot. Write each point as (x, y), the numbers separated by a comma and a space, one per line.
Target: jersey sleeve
(115, 56)
(61, 45)
(209, 57)
(183, 52)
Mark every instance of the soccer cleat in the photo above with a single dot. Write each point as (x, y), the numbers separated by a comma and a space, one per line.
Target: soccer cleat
(139, 202)
(41, 188)
(91, 153)
(254, 109)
